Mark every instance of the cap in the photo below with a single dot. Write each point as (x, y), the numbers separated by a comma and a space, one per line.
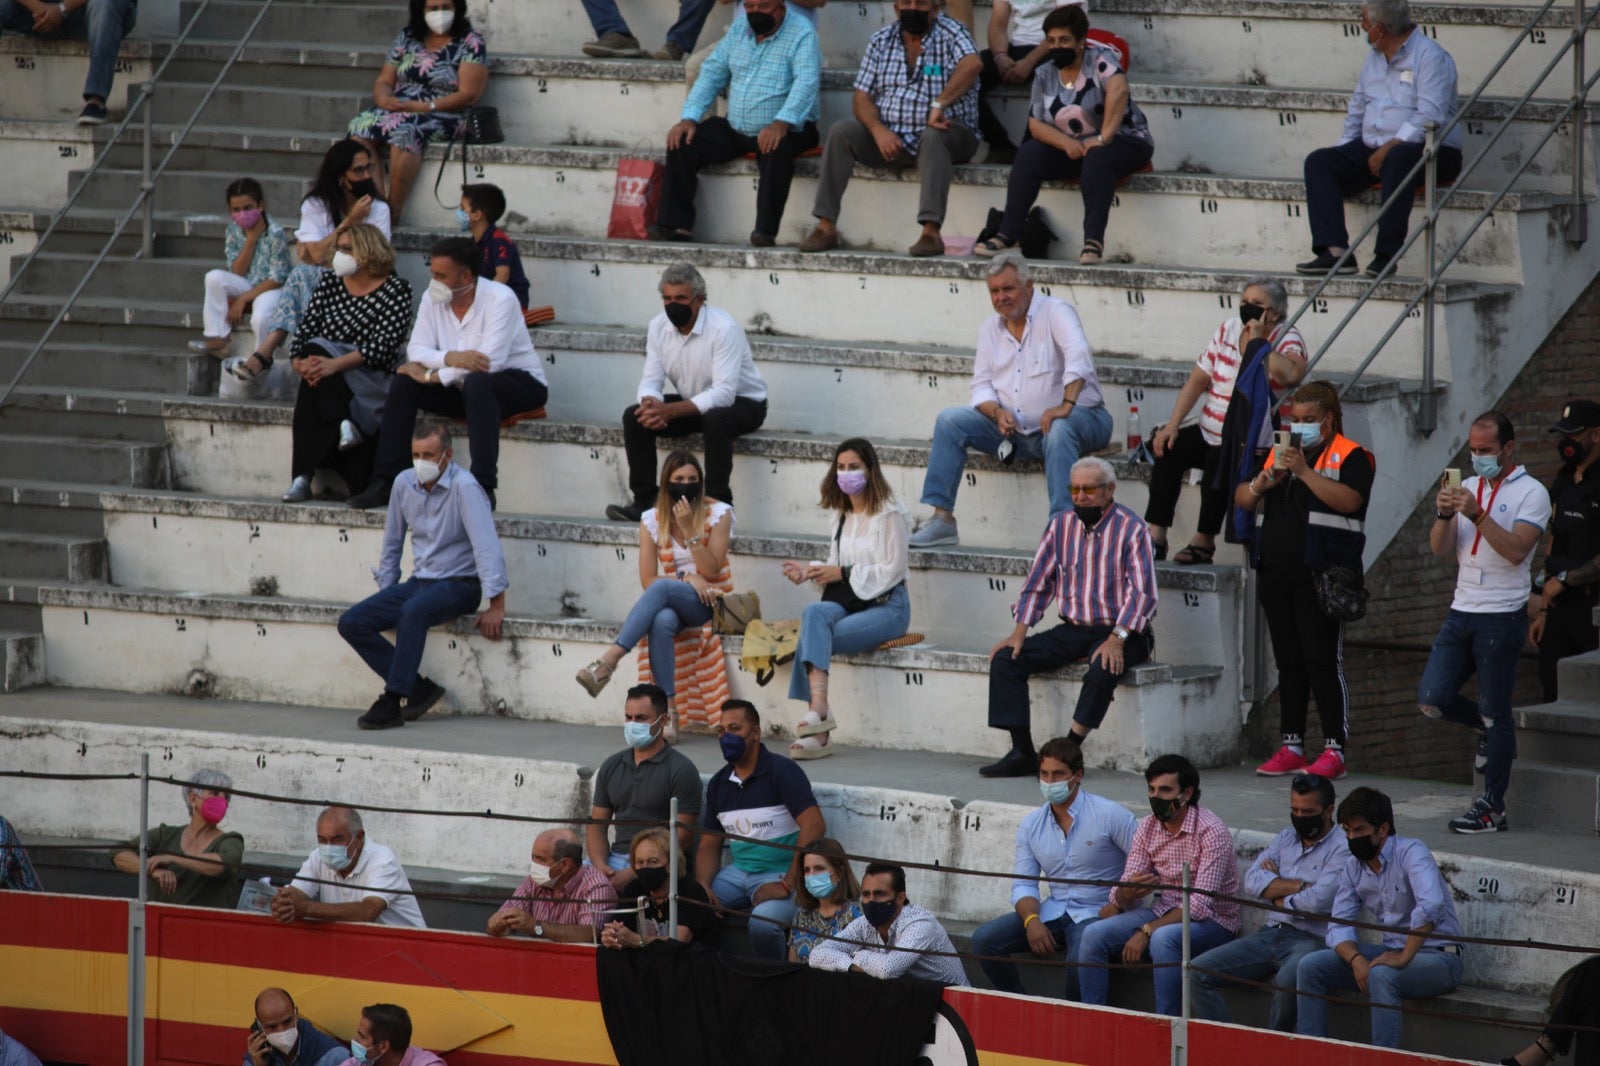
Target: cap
(1578, 415)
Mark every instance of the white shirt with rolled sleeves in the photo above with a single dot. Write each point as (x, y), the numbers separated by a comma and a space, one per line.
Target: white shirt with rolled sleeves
(709, 367)
(493, 325)
(377, 874)
(1486, 581)
(1028, 377)
(913, 931)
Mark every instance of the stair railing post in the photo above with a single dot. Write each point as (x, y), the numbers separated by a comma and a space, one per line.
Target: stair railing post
(136, 922)
(672, 868)
(1578, 220)
(1428, 399)
(147, 244)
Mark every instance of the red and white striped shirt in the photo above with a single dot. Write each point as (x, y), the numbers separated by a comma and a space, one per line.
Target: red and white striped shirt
(587, 899)
(1220, 361)
(1206, 845)
(1104, 576)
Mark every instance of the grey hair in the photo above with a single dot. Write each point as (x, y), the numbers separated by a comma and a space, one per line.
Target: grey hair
(1108, 473)
(1277, 295)
(567, 847)
(351, 816)
(1392, 15)
(683, 273)
(1009, 261)
(209, 780)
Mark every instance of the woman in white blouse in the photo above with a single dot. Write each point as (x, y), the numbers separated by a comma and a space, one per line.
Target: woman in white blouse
(864, 598)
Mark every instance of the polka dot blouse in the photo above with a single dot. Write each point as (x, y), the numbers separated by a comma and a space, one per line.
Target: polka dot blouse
(378, 324)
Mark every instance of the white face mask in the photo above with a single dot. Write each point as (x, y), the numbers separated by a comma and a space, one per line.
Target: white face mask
(284, 1041)
(427, 470)
(439, 292)
(345, 264)
(540, 874)
(440, 21)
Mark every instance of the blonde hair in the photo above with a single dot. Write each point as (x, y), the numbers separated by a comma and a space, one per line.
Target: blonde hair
(676, 461)
(371, 249)
(656, 836)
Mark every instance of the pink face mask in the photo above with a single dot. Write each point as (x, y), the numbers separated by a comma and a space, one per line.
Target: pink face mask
(247, 220)
(851, 481)
(213, 809)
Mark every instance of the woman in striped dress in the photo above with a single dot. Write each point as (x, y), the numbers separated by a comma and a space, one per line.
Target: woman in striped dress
(683, 566)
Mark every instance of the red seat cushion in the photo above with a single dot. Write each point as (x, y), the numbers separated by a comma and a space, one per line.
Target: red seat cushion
(524, 416)
(813, 150)
(1117, 44)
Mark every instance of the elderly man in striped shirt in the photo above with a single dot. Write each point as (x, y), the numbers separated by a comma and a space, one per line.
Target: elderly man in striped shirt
(1098, 559)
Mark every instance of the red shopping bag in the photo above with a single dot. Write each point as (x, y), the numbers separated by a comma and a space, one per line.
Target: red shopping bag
(636, 200)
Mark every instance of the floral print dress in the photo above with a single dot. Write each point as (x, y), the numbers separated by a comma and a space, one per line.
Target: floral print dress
(421, 74)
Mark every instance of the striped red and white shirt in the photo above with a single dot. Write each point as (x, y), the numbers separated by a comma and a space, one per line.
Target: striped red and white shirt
(1104, 576)
(1206, 845)
(1220, 361)
(587, 899)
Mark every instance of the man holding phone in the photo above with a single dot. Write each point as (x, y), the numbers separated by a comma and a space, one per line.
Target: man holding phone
(280, 1037)
(1491, 522)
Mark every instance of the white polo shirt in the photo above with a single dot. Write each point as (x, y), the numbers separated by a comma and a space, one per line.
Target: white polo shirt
(376, 874)
(1487, 582)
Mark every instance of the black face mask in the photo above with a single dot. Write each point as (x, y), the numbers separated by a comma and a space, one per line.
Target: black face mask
(761, 23)
(683, 490)
(651, 878)
(1365, 849)
(916, 23)
(1089, 516)
(1063, 57)
(1570, 450)
(1248, 313)
(1306, 826)
(680, 315)
(1163, 809)
(364, 187)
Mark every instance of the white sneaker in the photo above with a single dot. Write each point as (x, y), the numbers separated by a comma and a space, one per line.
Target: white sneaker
(299, 491)
(936, 532)
(349, 436)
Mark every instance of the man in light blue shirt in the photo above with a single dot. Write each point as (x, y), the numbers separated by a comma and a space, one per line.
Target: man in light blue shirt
(1396, 879)
(12, 1053)
(771, 66)
(1073, 835)
(1299, 871)
(457, 562)
(1407, 81)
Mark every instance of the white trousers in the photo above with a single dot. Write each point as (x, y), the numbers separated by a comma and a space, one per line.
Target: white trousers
(222, 286)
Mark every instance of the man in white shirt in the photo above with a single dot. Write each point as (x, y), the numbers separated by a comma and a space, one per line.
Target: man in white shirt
(1491, 524)
(348, 878)
(1035, 395)
(470, 357)
(705, 356)
(892, 934)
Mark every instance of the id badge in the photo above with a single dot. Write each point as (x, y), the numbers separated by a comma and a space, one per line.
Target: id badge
(1471, 575)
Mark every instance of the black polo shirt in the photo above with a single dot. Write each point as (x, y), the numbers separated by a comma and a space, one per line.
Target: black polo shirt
(642, 792)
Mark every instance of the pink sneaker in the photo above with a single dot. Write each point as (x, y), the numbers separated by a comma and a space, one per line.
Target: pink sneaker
(1329, 765)
(1287, 761)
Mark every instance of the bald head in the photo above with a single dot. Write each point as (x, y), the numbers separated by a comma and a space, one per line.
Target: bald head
(275, 1011)
(338, 818)
(560, 850)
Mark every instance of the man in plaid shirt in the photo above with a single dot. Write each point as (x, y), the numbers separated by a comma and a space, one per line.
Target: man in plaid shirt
(1178, 833)
(915, 104)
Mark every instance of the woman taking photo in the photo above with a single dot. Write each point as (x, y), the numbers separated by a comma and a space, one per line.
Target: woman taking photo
(683, 567)
(829, 898)
(648, 857)
(1082, 123)
(864, 598)
(1310, 500)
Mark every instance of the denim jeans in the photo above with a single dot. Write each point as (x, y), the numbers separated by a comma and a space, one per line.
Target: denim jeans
(666, 608)
(1086, 429)
(1490, 646)
(1005, 935)
(1103, 941)
(605, 18)
(734, 887)
(1431, 973)
(410, 608)
(1272, 954)
(826, 630)
(104, 22)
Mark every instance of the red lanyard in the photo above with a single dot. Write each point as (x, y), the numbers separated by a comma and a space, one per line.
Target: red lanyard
(1478, 537)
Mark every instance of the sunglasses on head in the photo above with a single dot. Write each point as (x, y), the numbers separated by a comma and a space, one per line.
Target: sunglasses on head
(1306, 782)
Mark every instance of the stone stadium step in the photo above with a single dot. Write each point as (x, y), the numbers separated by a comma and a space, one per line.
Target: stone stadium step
(44, 79)
(257, 649)
(114, 366)
(19, 612)
(282, 107)
(61, 556)
(34, 505)
(21, 657)
(358, 22)
(107, 462)
(1556, 778)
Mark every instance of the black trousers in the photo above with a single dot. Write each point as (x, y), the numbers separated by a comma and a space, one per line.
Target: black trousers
(1578, 1005)
(1334, 173)
(1097, 174)
(993, 130)
(483, 400)
(715, 141)
(1051, 650)
(1568, 630)
(318, 411)
(1309, 648)
(720, 425)
(1188, 452)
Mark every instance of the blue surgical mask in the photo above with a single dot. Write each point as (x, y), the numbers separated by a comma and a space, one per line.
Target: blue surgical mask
(1486, 466)
(732, 747)
(1056, 791)
(819, 885)
(335, 855)
(360, 1052)
(463, 220)
(638, 734)
(1306, 434)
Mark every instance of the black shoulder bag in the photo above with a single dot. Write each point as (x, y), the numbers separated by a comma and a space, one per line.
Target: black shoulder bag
(840, 591)
(480, 125)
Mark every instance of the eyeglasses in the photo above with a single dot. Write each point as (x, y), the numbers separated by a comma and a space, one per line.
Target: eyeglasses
(1307, 782)
(1085, 490)
(365, 168)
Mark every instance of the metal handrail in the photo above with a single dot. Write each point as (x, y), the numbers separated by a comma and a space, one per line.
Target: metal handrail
(146, 189)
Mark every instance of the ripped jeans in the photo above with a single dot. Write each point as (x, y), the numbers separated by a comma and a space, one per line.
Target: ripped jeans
(1489, 645)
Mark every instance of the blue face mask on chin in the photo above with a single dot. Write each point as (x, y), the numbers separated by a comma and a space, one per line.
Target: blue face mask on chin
(1486, 466)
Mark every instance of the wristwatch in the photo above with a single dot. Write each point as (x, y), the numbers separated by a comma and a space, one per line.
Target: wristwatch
(433, 374)
(1562, 578)
(538, 929)
(1145, 929)
(1120, 632)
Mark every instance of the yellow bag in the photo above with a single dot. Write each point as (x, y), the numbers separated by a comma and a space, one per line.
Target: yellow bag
(767, 646)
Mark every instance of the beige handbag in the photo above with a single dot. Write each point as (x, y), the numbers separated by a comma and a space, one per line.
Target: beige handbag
(734, 611)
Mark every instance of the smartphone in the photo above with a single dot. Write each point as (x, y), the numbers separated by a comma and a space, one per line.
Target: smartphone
(255, 1027)
(1452, 478)
(1280, 444)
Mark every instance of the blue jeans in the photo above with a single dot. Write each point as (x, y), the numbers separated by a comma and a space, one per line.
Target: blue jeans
(605, 18)
(661, 613)
(1086, 429)
(1273, 954)
(734, 887)
(410, 608)
(1103, 941)
(1490, 646)
(826, 629)
(1005, 936)
(1431, 973)
(104, 22)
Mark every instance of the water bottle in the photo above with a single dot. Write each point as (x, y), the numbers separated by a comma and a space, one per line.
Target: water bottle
(1135, 435)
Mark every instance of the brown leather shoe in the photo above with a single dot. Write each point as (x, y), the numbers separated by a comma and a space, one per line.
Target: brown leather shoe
(820, 240)
(928, 244)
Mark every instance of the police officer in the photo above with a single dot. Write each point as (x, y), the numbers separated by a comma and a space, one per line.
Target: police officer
(1571, 581)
